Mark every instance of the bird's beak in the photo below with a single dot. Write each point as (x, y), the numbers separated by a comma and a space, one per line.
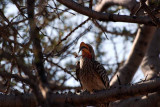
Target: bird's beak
(82, 46)
(85, 50)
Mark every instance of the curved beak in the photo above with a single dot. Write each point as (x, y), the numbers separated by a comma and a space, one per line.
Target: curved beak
(82, 46)
(85, 50)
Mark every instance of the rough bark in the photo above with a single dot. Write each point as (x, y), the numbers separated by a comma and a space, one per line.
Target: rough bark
(104, 96)
(151, 100)
(151, 62)
(139, 48)
(37, 50)
(24, 100)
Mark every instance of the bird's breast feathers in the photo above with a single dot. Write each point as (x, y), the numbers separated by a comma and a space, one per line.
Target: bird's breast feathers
(90, 79)
(91, 82)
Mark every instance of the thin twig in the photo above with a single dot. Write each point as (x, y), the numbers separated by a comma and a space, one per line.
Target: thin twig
(64, 69)
(98, 25)
(69, 45)
(66, 10)
(148, 10)
(57, 11)
(72, 31)
(9, 23)
(18, 78)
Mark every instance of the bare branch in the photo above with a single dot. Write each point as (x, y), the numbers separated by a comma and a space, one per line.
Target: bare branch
(140, 45)
(73, 31)
(64, 69)
(57, 87)
(109, 95)
(70, 44)
(37, 48)
(25, 100)
(145, 101)
(105, 96)
(104, 29)
(106, 16)
(148, 10)
(18, 78)
(19, 62)
(9, 23)
(151, 62)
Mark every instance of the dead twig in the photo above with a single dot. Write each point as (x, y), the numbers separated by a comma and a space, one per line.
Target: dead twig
(64, 69)
(149, 11)
(72, 31)
(99, 26)
(69, 45)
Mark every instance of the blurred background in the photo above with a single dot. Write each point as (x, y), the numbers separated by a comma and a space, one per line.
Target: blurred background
(61, 31)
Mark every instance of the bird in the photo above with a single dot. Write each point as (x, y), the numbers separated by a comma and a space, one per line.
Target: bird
(90, 73)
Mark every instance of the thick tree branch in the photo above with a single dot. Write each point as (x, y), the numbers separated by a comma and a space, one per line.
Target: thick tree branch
(113, 94)
(57, 87)
(151, 62)
(140, 45)
(25, 100)
(151, 100)
(105, 16)
(37, 48)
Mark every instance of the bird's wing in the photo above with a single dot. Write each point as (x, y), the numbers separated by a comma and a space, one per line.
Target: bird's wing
(77, 72)
(102, 72)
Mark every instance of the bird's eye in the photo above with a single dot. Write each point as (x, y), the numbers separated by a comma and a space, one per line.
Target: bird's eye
(84, 47)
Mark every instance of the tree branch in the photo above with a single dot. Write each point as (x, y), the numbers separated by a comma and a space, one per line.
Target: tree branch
(148, 10)
(151, 62)
(57, 87)
(19, 62)
(18, 78)
(9, 23)
(113, 94)
(37, 48)
(140, 45)
(25, 100)
(145, 101)
(105, 16)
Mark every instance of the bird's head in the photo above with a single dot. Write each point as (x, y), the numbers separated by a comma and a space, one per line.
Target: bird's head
(87, 50)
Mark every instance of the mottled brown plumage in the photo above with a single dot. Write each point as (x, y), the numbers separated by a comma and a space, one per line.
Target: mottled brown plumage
(91, 74)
